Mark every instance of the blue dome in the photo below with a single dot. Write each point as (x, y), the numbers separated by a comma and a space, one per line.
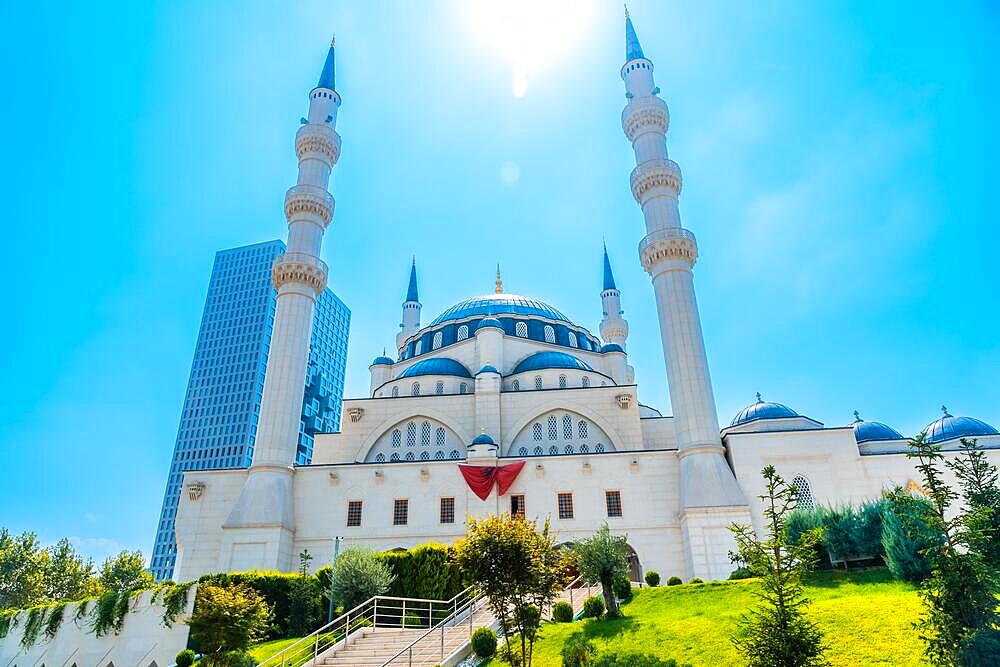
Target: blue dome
(483, 439)
(499, 304)
(382, 360)
(490, 322)
(488, 369)
(865, 431)
(763, 410)
(612, 347)
(949, 428)
(540, 360)
(437, 366)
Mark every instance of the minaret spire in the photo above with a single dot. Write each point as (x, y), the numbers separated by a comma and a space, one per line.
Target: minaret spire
(668, 253)
(609, 278)
(327, 78)
(411, 309)
(411, 289)
(614, 328)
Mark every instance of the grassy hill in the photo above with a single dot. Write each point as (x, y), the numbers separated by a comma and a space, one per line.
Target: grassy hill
(866, 618)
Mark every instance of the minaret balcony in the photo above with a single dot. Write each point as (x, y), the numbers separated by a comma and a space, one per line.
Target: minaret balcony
(645, 114)
(318, 141)
(670, 244)
(656, 177)
(299, 268)
(309, 203)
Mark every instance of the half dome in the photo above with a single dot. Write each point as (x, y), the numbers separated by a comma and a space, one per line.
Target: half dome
(437, 366)
(867, 431)
(542, 360)
(763, 410)
(499, 304)
(949, 427)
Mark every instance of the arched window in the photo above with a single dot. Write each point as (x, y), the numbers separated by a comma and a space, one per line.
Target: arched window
(562, 381)
(523, 451)
(416, 348)
(380, 458)
(553, 431)
(425, 456)
(415, 389)
(537, 451)
(454, 454)
(582, 429)
(463, 388)
(521, 329)
(550, 334)
(397, 438)
(395, 392)
(436, 342)
(572, 339)
(425, 434)
(439, 455)
(516, 385)
(536, 431)
(553, 450)
(599, 449)
(463, 332)
(538, 382)
(409, 456)
(584, 449)
(411, 434)
(585, 382)
(394, 458)
(567, 427)
(805, 495)
(568, 449)
(439, 387)
(439, 437)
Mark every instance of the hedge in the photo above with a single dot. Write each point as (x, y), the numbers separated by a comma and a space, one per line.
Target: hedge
(277, 590)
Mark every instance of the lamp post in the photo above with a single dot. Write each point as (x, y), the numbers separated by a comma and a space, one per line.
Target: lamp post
(333, 563)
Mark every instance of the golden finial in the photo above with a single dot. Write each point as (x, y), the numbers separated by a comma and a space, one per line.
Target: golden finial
(499, 289)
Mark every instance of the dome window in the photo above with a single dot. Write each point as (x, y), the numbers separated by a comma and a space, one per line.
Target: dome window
(553, 450)
(537, 451)
(567, 427)
(415, 389)
(584, 449)
(562, 381)
(521, 329)
(550, 334)
(536, 432)
(463, 388)
(395, 392)
(454, 454)
(585, 382)
(394, 458)
(439, 437)
(409, 456)
(439, 455)
(417, 347)
(411, 434)
(515, 385)
(582, 429)
(572, 339)
(553, 430)
(568, 449)
(380, 458)
(436, 343)
(397, 438)
(523, 451)
(599, 449)
(425, 434)
(425, 456)
(538, 382)
(463, 332)
(805, 495)
(439, 387)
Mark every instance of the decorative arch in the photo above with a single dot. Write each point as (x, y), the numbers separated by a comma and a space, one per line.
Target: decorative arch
(613, 440)
(385, 427)
(557, 431)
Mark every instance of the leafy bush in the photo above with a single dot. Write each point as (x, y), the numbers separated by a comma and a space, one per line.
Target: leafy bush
(275, 587)
(578, 650)
(305, 611)
(696, 580)
(622, 587)
(631, 660)
(414, 620)
(185, 658)
(484, 642)
(593, 607)
(907, 534)
(562, 612)
(742, 572)
(358, 575)
(848, 532)
(226, 621)
(652, 578)
(674, 581)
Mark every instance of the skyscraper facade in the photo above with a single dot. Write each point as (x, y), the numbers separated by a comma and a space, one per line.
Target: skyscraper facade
(218, 425)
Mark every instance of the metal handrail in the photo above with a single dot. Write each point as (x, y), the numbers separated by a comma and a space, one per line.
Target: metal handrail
(467, 606)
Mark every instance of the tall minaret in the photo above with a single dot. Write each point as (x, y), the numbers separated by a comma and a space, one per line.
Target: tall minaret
(260, 528)
(710, 496)
(614, 328)
(411, 309)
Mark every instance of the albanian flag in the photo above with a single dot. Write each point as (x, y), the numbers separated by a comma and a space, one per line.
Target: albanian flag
(480, 478)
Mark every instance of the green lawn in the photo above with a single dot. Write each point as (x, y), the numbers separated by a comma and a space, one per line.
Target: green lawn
(261, 652)
(866, 618)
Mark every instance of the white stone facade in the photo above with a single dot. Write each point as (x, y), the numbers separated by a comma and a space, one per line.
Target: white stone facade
(501, 378)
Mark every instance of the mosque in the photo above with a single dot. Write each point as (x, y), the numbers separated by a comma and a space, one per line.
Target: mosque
(503, 404)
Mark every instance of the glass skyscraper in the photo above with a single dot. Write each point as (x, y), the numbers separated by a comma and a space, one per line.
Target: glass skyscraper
(219, 420)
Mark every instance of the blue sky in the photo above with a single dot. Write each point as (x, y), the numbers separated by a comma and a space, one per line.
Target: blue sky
(837, 162)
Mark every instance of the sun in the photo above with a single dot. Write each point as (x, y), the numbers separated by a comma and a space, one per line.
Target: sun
(529, 34)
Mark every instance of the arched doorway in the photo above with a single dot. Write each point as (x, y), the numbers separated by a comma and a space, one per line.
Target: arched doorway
(634, 566)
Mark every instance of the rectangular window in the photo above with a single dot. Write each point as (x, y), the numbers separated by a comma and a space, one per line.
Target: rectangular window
(400, 512)
(565, 505)
(354, 513)
(447, 510)
(613, 499)
(517, 506)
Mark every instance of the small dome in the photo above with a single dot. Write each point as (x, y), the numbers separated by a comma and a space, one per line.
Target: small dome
(483, 439)
(612, 347)
(490, 322)
(763, 410)
(437, 366)
(541, 360)
(488, 369)
(379, 361)
(866, 431)
(949, 428)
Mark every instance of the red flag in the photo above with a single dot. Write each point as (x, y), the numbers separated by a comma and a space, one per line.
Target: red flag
(479, 479)
(507, 474)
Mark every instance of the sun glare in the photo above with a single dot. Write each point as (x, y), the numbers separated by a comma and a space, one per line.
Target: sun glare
(529, 34)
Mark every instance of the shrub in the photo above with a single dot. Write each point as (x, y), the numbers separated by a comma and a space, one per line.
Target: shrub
(622, 587)
(185, 658)
(593, 607)
(652, 578)
(631, 660)
(484, 642)
(849, 532)
(577, 650)
(275, 587)
(907, 535)
(226, 621)
(426, 571)
(358, 575)
(674, 581)
(741, 572)
(305, 611)
(414, 620)
(562, 612)
(696, 580)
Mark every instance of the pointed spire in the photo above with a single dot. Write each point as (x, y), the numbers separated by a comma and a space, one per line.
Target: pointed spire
(499, 287)
(609, 278)
(326, 79)
(411, 290)
(633, 49)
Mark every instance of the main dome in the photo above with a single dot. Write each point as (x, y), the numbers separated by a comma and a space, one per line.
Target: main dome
(949, 427)
(500, 304)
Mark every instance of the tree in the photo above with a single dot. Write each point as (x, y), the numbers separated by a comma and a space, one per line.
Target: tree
(22, 570)
(304, 607)
(777, 633)
(601, 558)
(68, 576)
(125, 572)
(226, 621)
(978, 479)
(961, 625)
(907, 534)
(358, 575)
(518, 569)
